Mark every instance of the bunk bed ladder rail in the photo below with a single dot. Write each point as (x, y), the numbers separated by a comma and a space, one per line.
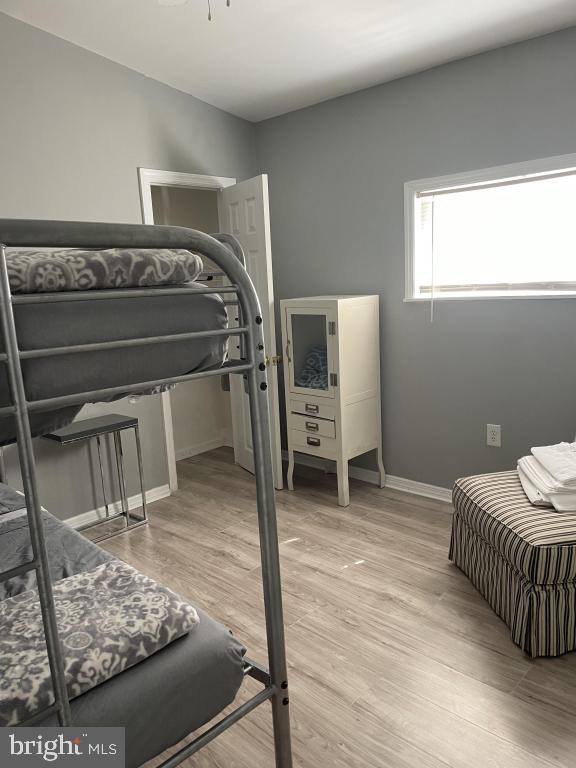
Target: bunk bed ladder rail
(39, 561)
(227, 254)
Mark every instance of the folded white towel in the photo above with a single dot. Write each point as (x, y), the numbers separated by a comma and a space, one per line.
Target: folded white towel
(563, 502)
(536, 497)
(540, 486)
(539, 475)
(542, 478)
(559, 460)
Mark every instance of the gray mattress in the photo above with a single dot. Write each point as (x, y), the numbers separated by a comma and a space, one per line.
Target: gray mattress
(83, 322)
(160, 700)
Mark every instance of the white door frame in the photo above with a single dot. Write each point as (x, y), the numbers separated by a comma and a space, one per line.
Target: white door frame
(149, 177)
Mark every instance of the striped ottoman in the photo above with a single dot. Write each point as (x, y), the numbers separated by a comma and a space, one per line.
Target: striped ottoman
(522, 559)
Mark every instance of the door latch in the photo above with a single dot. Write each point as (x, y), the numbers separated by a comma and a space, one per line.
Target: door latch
(275, 360)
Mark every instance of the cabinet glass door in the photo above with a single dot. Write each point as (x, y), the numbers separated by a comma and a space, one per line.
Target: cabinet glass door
(309, 351)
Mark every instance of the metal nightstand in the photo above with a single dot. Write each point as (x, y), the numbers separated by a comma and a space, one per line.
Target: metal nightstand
(111, 424)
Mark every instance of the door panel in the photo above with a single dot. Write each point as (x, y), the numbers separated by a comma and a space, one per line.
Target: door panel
(244, 213)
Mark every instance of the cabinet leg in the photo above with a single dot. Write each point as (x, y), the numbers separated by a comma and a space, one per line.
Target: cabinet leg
(381, 468)
(343, 486)
(290, 477)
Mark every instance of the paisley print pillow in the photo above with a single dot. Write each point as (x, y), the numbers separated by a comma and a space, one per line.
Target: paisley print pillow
(48, 271)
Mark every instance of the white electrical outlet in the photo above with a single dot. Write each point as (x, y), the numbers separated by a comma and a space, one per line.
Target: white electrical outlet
(493, 435)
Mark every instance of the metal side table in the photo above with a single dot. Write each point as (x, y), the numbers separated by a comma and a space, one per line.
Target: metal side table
(111, 424)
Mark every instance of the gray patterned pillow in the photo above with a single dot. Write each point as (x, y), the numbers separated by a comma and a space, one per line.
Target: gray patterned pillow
(109, 619)
(49, 270)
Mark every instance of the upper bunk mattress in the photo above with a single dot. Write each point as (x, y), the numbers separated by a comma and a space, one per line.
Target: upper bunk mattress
(103, 320)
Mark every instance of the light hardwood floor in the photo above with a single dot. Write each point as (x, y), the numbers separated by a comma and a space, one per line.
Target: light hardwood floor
(395, 660)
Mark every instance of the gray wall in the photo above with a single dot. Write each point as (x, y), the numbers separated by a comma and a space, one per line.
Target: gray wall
(336, 188)
(74, 129)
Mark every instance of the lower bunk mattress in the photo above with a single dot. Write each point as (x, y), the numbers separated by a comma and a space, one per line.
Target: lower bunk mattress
(172, 693)
(521, 558)
(47, 325)
(160, 700)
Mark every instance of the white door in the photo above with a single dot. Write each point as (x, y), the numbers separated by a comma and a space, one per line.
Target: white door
(244, 213)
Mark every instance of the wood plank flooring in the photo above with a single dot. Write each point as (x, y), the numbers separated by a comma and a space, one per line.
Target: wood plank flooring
(395, 660)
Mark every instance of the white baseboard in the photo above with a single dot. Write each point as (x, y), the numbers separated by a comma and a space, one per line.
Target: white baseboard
(371, 476)
(221, 440)
(134, 502)
(420, 489)
(195, 450)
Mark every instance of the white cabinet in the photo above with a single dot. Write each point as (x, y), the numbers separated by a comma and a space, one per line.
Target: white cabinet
(332, 380)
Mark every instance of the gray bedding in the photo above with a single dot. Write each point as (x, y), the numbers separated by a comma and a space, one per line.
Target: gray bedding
(69, 552)
(162, 699)
(62, 324)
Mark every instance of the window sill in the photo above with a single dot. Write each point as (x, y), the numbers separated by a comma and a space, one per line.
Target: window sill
(437, 297)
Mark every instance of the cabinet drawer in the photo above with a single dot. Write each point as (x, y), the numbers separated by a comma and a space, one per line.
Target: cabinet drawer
(313, 409)
(312, 444)
(312, 425)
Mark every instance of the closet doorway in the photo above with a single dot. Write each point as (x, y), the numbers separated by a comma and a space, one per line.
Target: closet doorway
(212, 412)
(201, 415)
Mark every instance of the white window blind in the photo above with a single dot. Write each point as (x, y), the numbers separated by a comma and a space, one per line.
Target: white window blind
(499, 237)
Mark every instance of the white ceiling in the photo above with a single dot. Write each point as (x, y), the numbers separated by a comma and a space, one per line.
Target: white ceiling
(260, 58)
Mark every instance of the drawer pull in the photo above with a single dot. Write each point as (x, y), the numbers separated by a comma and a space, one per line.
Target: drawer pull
(313, 440)
(311, 408)
(312, 426)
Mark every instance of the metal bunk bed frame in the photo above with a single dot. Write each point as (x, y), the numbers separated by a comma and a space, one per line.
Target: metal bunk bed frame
(227, 254)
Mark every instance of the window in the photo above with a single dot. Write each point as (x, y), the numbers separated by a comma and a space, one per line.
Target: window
(507, 231)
